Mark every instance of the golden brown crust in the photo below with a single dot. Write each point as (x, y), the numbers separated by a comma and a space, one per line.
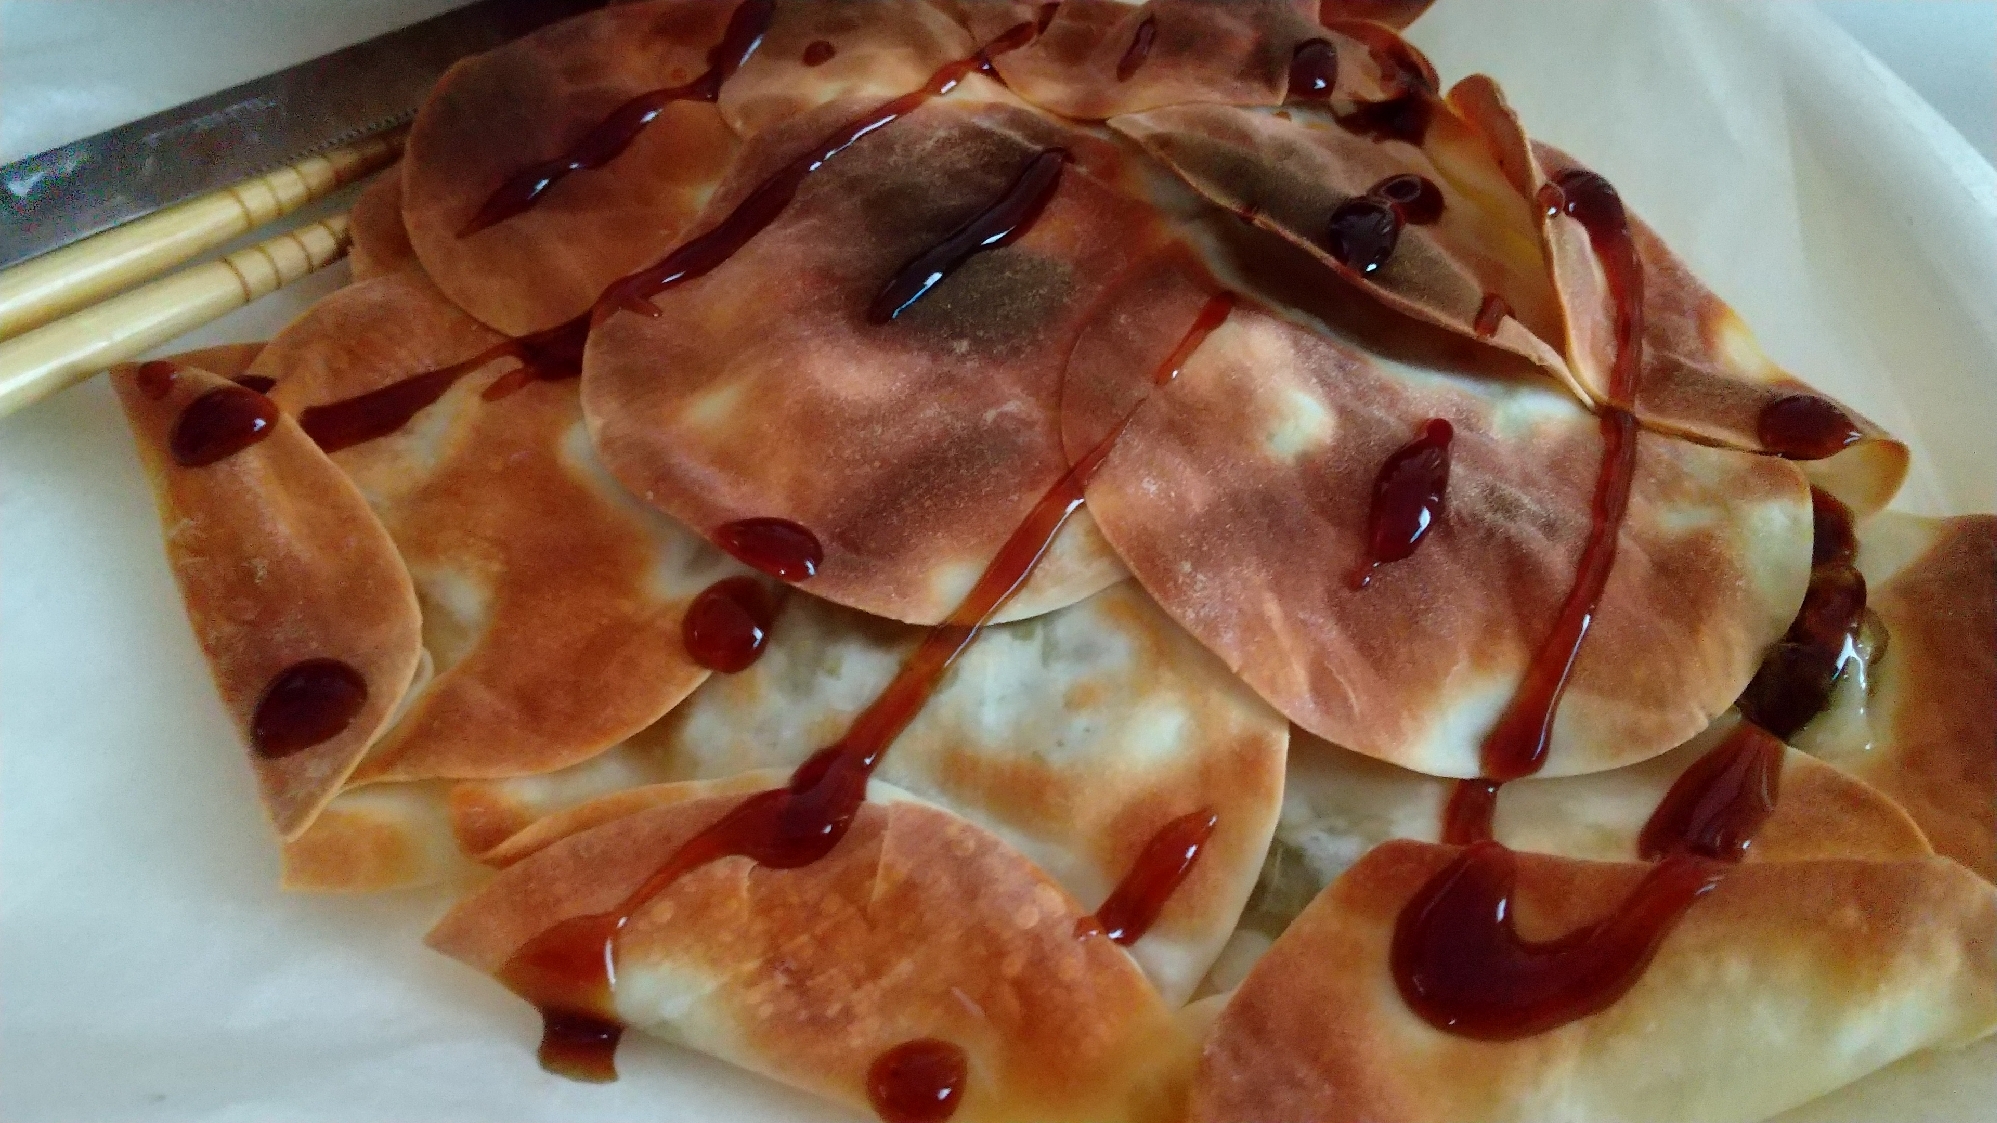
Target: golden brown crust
(1845, 966)
(1703, 376)
(552, 602)
(279, 560)
(1239, 495)
(533, 99)
(917, 925)
(880, 50)
(1236, 53)
(1074, 737)
(380, 241)
(914, 448)
(225, 359)
(391, 836)
(1935, 693)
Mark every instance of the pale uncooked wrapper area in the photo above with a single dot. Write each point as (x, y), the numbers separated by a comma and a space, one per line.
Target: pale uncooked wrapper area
(149, 968)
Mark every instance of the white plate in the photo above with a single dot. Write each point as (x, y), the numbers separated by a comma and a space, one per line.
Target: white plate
(149, 969)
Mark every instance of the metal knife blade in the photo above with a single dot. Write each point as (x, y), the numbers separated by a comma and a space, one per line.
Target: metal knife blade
(74, 191)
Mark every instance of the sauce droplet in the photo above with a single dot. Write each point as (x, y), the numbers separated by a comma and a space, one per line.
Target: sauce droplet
(917, 1081)
(728, 624)
(1313, 70)
(779, 547)
(1715, 807)
(155, 378)
(1161, 867)
(1408, 498)
(1005, 221)
(1834, 537)
(818, 52)
(1139, 49)
(705, 252)
(1405, 118)
(1794, 682)
(1461, 965)
(580, 1046)
(1491, 315)
(219, 424)
(307, 704)
(1805, 427)
(1362, 234)
(1470, 812)
(1415, 198)
(611, 136)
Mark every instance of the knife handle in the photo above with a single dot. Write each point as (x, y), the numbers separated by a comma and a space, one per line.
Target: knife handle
(56, 284)
(58, 355)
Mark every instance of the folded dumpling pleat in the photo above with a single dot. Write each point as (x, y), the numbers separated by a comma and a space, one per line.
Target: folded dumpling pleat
(1784, 982)
(917, 925)
(551, 600)
(815, 53)
(910, 448)
(1075, 737)
(1239, 496)
(381, 243)
(497, 114)
(296, 593)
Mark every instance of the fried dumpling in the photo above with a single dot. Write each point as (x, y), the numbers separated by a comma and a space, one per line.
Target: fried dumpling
(295, 591)
(1785, 981)
(910, 438)
(552, 602)
(497, 116)
(918, 926)
(1918, 718)
(1075, 737)
(1239, 496)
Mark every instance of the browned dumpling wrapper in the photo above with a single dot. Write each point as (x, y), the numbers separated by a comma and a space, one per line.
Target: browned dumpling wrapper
(917, 925)
(815, 53)
(495, 114)
(1845, 965)
(1239, 496)
(281, 565)
(910, 448)
(380, 241)
(552, 602)
(1916, 713)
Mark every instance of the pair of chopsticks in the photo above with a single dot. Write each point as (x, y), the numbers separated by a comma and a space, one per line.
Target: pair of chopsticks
(68, 314)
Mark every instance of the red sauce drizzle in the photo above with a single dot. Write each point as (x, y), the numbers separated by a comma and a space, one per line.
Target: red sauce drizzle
(1461, 965)
(706, 251)
(308, 703)
(256, 383)
(1517, 745)
(1362, 234)
(1408, 498)
(917, 1081)
(1139, 49)
(1406, 115)
(610, 137)
(1415, 198)
(1468, 815)
(1796, 677)
(549, 355)
(1714, 809)
(1491, 315)
(1002, 223)
(728, 624)
(818, 52)
(1161, 867)
(779, 547)
(568, 971)
(219, 424)
(155, 379)
(1805, 427)
(1313, 70)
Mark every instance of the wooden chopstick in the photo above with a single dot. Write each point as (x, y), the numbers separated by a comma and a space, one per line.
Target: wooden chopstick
(58, 355)
(51, 286)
